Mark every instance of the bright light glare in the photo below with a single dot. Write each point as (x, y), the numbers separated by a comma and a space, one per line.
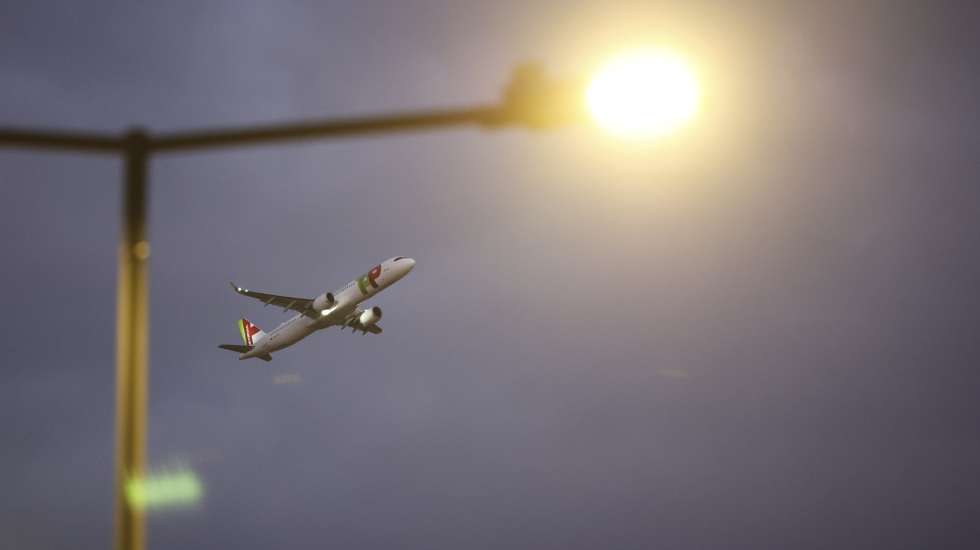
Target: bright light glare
(649, 93)
(180, 488)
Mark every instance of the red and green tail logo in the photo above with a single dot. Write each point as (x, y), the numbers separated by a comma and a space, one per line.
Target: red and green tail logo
(248, 331)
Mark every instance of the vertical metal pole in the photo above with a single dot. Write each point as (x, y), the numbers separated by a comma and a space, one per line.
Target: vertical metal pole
(132, 344)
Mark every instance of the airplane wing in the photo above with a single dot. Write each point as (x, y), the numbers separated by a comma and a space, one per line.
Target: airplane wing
(301, 305)
(353, 321)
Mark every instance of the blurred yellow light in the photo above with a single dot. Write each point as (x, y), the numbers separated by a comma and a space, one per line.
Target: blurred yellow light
(179, 488)
(648, 93)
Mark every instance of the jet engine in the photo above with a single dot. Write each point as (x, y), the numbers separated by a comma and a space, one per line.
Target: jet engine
(370, 316)
(324, 301)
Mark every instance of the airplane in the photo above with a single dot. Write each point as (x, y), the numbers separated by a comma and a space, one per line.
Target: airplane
(339, 308)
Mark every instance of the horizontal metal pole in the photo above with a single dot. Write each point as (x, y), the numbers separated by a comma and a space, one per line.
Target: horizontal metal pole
(331, 128)
(487, 116)
(57, 139)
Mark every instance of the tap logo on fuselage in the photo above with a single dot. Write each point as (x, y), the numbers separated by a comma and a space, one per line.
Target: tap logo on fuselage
(369, 278)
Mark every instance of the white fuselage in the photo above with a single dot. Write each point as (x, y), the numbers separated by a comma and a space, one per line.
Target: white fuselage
(346, 301)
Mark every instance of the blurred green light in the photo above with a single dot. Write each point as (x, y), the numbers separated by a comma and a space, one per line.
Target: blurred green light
(181, 488)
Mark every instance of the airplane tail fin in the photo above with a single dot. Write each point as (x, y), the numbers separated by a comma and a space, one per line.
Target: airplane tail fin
(251, 333)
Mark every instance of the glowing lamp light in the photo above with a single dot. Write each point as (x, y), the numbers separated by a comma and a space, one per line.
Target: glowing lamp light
(649, 93)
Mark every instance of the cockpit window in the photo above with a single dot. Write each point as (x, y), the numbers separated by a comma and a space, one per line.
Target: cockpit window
(399, 258)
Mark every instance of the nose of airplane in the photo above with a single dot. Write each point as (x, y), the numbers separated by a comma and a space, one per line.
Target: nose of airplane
(411, 264)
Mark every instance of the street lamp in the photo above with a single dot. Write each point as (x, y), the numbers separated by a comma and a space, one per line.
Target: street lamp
(533, 99)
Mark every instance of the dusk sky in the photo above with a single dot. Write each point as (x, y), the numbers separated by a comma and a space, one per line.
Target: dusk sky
(758, 332)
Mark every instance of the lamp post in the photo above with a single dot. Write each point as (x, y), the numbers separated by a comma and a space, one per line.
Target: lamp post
(531, 100)
(655, 85)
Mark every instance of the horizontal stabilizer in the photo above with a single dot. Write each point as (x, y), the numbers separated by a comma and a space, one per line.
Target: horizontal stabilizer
(233, 347)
